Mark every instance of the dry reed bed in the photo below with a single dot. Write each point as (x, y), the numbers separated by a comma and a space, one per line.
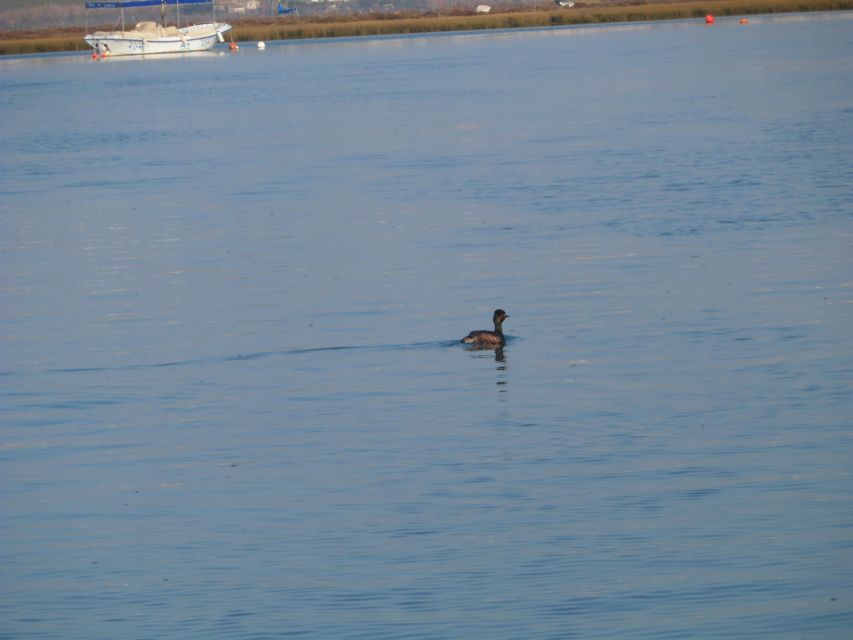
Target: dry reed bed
(71, 39)
(529, 19)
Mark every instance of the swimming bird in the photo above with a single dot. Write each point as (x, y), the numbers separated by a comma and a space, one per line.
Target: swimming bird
(489, 338)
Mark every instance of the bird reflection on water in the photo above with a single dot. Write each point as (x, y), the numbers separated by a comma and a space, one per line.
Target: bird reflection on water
(499, 351)
(500, 357)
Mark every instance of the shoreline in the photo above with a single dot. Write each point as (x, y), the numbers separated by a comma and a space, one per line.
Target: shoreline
(71, 39)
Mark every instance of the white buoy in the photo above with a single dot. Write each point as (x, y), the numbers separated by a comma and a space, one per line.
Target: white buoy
(262, 45)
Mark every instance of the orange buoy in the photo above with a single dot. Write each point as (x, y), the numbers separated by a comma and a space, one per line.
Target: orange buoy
(104, 55)
(744, 21)
(94, 55)
(233, 46)
(709, 19)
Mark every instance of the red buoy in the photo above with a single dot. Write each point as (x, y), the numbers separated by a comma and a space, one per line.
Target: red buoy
(233, 46)
(709, 19)
(94, 55)
(744, 21)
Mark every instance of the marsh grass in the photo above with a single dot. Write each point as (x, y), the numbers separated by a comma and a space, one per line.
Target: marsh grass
(528, 19)
(309, 28)
(42, 42)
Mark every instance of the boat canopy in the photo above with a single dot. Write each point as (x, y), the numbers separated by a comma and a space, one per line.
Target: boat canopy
(141, 3)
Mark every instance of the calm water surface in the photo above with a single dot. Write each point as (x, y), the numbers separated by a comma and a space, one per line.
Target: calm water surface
(233, 401)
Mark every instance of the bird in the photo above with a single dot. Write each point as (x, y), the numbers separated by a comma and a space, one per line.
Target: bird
(486, 338)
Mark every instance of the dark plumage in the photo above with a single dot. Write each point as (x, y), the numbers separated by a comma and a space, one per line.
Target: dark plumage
(486, 338)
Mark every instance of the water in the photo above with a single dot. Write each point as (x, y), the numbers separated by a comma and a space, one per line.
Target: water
(234, 405)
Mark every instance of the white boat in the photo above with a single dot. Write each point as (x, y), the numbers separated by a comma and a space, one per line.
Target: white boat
(150, 37)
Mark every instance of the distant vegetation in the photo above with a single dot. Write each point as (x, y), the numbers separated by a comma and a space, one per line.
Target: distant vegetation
(36, 14)
(70, 39)
(580, 14)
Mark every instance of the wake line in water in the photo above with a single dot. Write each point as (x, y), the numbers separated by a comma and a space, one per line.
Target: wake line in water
(237, 358)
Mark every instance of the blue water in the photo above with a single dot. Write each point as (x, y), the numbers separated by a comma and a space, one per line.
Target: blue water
(231, 291)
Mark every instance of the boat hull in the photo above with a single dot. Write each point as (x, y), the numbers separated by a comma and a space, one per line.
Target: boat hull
(200, 37)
